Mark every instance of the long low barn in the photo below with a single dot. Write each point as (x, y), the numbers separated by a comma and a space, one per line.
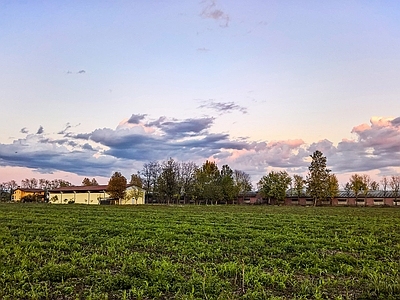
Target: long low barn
(344, 198)
(95, 194)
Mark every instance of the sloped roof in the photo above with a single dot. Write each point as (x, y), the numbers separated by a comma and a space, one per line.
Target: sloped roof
(30, 190)
(81, 188)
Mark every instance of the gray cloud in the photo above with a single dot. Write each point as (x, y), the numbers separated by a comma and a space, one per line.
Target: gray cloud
(81, 71)
(135, 119)
(67, 126)
(396, 122)
(223, 107)
(24, 130)
(40, 130)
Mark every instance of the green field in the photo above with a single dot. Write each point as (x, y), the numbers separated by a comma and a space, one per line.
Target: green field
(198, 252)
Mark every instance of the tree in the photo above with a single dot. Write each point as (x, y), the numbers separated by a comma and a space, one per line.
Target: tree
(242, 181)
(117, 186)
(136, 180)
(299, 184)
(333, 187)
(228, 188)
(207, 182)
(374, 185)
(150, 173)
(317, 178)
(29, 183)
(395, 186)
(168, 181)
(357, 185)
(86, 182)
(187, 179)
(385, 184)
(274, 185)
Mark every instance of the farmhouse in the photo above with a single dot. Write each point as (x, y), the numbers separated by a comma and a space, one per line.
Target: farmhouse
(28, 195)
(95, 194)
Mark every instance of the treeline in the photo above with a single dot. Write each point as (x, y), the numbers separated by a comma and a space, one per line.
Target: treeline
(7, 188)
(183, 182)
(320, 184)
(174, 182)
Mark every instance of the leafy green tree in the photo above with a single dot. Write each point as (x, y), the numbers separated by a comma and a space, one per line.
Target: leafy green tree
(357, 185)
(318, 177)
(117, 186)
(274, 185)
(208, 183)
(168, 181)
(228, 188)
(333, 187)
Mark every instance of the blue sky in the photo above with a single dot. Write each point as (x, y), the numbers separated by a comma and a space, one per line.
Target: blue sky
(93, 87)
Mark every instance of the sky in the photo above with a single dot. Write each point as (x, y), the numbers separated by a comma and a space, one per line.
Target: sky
(88, 88)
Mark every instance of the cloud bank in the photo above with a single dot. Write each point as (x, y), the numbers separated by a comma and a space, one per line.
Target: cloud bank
(140, 139)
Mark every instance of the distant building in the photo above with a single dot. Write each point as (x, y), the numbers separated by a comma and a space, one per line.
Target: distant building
(347, 198)
(95, 194)
(344, 198)
(28, 195)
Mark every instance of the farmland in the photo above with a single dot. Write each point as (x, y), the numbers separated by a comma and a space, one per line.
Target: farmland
(198, 252)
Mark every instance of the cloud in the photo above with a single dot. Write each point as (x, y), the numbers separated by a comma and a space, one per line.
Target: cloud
(375, 146)
(24, 130)
(135, 119)
(223, 107)
(40, 130)
(203, 49)
(395, 122)
(211, 12)
(67, 126)
(81, 72)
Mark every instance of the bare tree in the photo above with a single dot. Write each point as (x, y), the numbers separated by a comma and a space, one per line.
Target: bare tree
(385, 184)
(395, 185)
(242, 181)
(29, 183)
(187, 179)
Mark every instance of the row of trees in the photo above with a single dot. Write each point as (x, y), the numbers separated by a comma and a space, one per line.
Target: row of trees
(7, 188)
(320, 183)
(172, 182)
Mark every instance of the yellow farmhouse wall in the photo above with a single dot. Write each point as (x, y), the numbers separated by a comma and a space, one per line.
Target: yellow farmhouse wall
(77, 197)
(18, 194)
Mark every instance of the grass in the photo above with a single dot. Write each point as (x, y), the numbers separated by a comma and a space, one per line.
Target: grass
(198, 252)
